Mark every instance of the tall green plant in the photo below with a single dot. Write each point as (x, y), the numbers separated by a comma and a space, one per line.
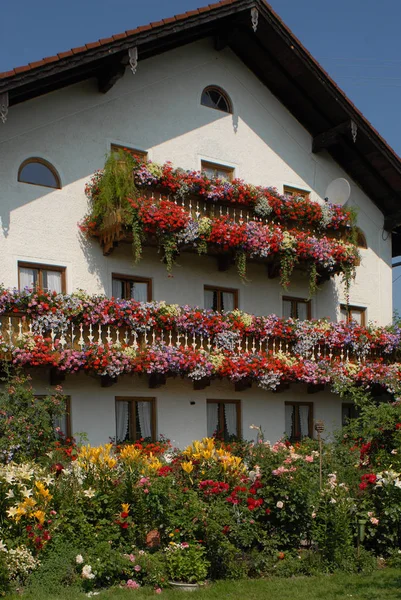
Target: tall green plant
(116, 184)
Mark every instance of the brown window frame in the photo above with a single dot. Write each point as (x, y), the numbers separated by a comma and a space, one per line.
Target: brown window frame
(220, 401)
(206, 164)
(353, 308)
(295, 300)
(288, 190)
(42, 267)
(141, 154)
(224, 94)
(68, 433)
(221, 290)
(297, 434)
(132, 400)
(127, 279)
(45, 163)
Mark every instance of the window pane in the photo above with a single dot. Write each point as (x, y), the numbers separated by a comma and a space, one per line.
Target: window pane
(356, 315)
(122, 421)
(209, 299)
(38, 173)
(212, 418)
(139, 291)
(287, 309)
(230, 419)
(343, 314)
(302, 310)
(289, 420)
(52, 281)
(28, 278)
(60, 424)
(227, 302)
(209, 172)
(304, 420)
(118, 288)
(144, 418)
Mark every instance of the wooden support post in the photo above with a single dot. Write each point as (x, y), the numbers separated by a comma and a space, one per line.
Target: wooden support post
(313, 388)
(56, 376)
(156, 380)
(107, 381)
(243, 384)
(201, 384)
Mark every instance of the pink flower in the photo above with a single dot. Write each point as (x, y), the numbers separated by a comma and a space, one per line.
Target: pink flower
(137, 568)
(185, 545)
(309, 459)
(374, 521)
(133, 585)
(132, 558)
(158, 590)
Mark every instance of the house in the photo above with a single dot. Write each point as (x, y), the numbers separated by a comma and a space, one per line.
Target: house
(227, 90)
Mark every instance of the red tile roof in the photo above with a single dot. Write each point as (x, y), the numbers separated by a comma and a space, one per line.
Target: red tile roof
(119, 36)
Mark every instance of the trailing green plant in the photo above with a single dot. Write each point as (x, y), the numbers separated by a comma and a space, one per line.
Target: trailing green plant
(115, 186)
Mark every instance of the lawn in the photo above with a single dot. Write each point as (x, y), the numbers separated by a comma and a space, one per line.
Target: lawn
(381, 585)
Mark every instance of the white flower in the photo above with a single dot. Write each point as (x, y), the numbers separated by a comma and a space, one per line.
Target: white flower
(89, 493)
(87, 572)
(397, 483)
(25, 492)
(3, 547)
(10, 493)
(394, 451)
(280, 504)
(79, 559)
(333, 501)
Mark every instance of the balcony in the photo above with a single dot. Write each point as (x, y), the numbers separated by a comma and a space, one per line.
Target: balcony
(109, 338)
(187, 212)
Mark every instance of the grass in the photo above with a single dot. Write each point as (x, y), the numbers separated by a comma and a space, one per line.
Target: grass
(380, 585)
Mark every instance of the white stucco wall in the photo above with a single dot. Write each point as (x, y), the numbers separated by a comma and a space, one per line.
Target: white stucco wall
(93, 407)
(158, 110)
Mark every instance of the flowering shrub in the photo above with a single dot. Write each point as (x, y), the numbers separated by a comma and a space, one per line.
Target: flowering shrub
(186, 562)
(262, 236)
(199, 344)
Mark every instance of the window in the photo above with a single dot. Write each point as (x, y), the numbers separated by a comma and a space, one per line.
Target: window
(215, 97)
(216, 298)
(353, 313)
(135, 419)
(296, 308)
(298, 420)
(39, 172)
(348, 412)
(132, 288)
(213, 170)
(292, 192)
(224, 418)
(141, 154)
(62, 424)
(43, 277)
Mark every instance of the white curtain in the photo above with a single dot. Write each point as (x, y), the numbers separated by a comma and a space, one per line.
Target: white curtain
(230, 414)
(212, 418)
(27, 278)
(304, 420)
(287, 305)
(302, 311)
(289, 420)
(122, 420)
(117, 288)
(144, 414)
(52, 281)
(228, 301)
(139, 292)
(356, 315)
(209, 299)
(61, 423)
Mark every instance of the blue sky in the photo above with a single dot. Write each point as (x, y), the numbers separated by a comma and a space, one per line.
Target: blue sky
(357, 41)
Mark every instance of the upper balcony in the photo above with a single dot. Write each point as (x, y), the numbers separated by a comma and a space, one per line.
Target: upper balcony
(145, 203)
(108, 338)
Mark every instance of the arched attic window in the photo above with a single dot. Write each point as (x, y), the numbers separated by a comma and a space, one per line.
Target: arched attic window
(38, 171)
(215, 97)
(360, 239)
